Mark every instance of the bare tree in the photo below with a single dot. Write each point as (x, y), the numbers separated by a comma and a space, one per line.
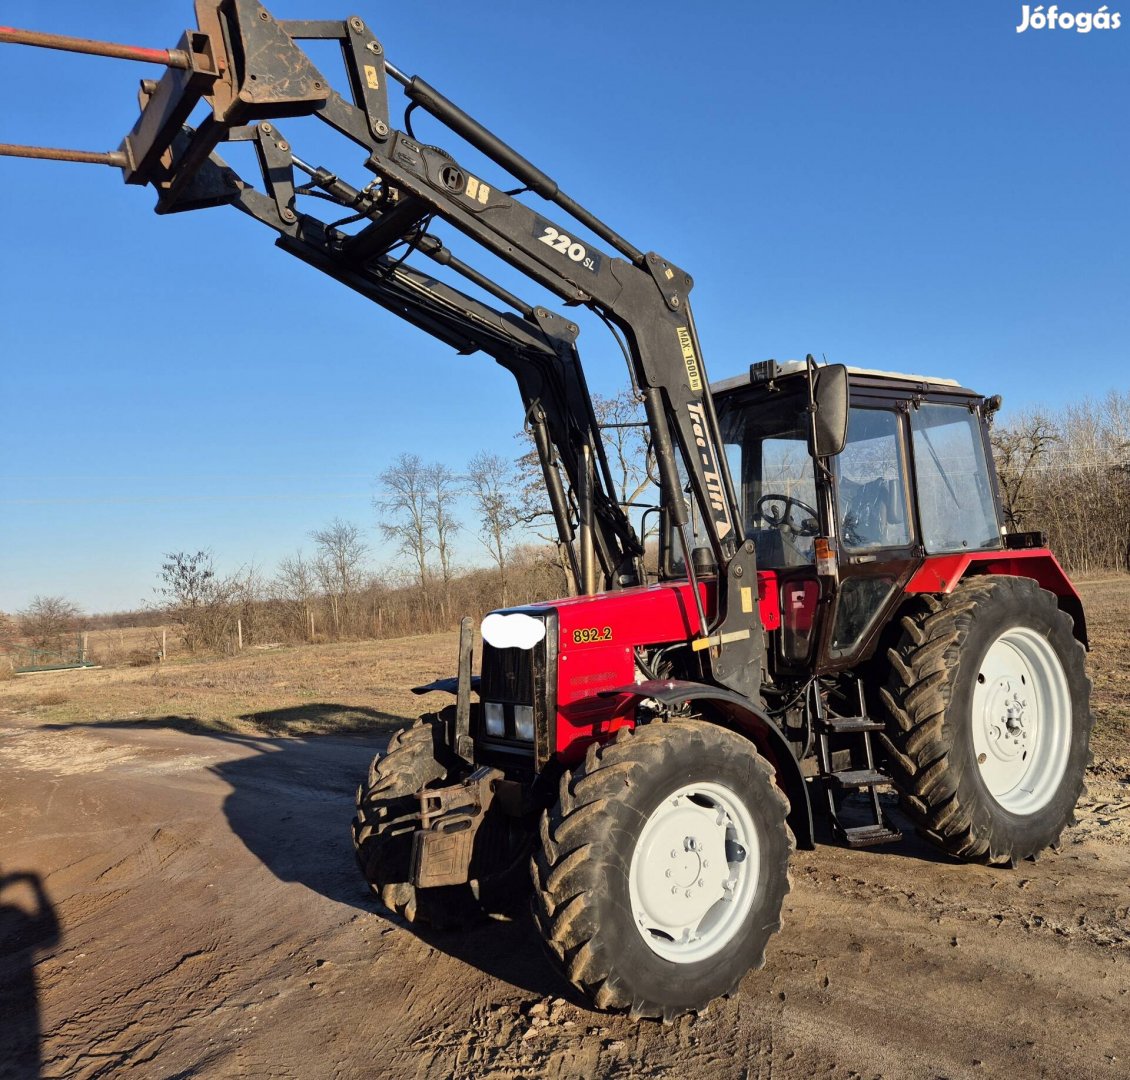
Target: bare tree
(1019, 447)
(47, 618)
(8, 630)
(340, 568)
(295, 587)
(534, 509)
(1068, 475)
(404, 514)
(494, 485)
(624, 433)
(443, 488)
(195, 598)
(9, 633)
(246, 591)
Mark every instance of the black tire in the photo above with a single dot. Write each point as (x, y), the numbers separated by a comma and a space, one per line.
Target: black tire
(938, 702)
(581, 867)
(388, 813)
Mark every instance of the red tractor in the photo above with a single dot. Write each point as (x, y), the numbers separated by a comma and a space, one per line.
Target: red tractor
(659, 807)
(831, 562)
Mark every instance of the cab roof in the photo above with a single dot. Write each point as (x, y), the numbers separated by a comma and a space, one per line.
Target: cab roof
(921, 383)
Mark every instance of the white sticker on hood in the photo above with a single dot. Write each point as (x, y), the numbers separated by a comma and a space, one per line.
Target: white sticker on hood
(515, 631)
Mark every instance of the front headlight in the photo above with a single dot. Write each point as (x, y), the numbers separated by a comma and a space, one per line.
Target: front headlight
(495, 721)
(524, 722)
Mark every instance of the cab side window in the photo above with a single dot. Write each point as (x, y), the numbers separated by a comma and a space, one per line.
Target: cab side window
(955, 500)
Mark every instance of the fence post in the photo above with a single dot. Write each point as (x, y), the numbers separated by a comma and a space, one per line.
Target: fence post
(239, 632)
(162, 643)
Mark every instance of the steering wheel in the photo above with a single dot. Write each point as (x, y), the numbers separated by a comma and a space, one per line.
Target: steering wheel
(782, 518)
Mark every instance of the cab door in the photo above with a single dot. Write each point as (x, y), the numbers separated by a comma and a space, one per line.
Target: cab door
(875, 529)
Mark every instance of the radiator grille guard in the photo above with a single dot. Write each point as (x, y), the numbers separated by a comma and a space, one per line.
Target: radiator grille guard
(520, 677)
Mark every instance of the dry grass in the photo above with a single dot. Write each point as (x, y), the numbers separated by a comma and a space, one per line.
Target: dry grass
(353, 686)
(1107, 603)
(129, 644)
(359, 686)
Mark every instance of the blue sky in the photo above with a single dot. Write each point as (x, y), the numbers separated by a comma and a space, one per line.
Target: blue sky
(902, 185)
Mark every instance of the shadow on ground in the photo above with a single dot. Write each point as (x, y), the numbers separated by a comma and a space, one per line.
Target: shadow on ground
(316, 718)
(856, 810)
(28, 925)
(291, 804)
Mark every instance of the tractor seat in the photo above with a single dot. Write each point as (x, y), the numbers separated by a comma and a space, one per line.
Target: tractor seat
(875, 515)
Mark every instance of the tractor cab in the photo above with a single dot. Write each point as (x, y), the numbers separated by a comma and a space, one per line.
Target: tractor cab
(847, 480)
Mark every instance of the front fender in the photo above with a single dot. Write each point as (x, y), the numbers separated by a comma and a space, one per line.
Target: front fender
(739, 714)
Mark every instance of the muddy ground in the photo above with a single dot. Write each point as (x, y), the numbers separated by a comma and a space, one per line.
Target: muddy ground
(176, 902)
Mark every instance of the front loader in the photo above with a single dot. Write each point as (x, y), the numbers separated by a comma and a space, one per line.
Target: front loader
(833, 605)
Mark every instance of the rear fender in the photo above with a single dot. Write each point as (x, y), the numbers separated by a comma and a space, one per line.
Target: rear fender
(943, 573)
(732, 711)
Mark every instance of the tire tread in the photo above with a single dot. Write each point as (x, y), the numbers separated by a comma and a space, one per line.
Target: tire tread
(922, 671)
(566, 869)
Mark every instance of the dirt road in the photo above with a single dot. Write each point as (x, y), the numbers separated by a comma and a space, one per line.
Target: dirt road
(202, 916)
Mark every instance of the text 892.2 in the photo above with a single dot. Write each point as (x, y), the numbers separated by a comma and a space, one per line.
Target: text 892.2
(588, 634)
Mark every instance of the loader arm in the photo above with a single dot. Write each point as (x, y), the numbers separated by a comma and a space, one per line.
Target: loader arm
(252, 72)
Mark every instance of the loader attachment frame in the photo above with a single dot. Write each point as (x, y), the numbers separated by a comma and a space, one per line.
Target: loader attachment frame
(252, 72)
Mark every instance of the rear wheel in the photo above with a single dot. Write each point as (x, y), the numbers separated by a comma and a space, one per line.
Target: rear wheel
(662, 868)
(990, 717)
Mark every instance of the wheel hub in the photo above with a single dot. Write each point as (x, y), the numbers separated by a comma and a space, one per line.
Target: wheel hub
(1021, 720)
(691, 881)
(1005, 720)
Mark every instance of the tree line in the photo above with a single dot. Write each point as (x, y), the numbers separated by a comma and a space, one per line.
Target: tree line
(1063, 473)
(1067, 474)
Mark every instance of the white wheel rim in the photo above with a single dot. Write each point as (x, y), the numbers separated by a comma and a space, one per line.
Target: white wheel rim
(694, 872)
(1021, 721)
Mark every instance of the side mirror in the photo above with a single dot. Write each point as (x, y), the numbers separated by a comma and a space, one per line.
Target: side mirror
(831, 401)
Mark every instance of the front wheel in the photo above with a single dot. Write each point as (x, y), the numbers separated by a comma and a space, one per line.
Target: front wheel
(662, 868)
(989, 717)
(388, 814)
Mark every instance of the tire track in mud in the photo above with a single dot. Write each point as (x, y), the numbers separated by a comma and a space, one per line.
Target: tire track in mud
(1000, 972)
(1101, 921)
(127, 1025)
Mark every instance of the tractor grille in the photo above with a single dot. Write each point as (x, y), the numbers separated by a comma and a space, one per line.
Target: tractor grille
(520, 677)
(508, 674)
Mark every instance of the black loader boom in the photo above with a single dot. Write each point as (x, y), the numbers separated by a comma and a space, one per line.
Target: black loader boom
(252, 72)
